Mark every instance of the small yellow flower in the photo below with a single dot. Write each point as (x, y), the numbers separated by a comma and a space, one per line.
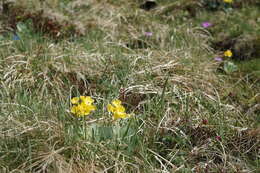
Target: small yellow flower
(116, 102)
(110, 108)
(74, 100)
(115, 106)
(228, 1)
(86, 99)
(117, 109)
(228, 53)
(74, 109)
(82, 106)
(118, 115)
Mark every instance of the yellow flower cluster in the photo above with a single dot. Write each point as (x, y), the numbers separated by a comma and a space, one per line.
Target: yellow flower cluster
(82, 106)
(228, 53)
(228, 1)
(117, 109)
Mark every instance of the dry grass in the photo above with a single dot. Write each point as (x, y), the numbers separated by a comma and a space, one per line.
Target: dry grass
(188, 116)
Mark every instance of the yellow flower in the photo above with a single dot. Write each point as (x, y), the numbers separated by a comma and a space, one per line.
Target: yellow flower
(118, 115)
(115, 106)
(86, 99)
(110, 108)
(116, 102)
(74, 109)
(228, 53)
(74, 100)
(82, 106)
(228, 1)
(117, 109)
(86, 108)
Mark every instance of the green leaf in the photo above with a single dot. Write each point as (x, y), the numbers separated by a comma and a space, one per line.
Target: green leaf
(21, 27)
(230, 67)
(104, 133)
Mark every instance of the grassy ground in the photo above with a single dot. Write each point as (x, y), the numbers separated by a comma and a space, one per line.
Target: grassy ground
(191, 113)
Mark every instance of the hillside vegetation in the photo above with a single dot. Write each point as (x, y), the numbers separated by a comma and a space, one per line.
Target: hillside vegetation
(129, 86)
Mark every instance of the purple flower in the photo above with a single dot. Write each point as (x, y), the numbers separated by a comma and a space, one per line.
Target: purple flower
(206, 24)
(148, 34)
(218, 138)
(219, 59)
(205, 121)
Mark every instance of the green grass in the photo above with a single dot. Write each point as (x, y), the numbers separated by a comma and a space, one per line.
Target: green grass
(188, 114)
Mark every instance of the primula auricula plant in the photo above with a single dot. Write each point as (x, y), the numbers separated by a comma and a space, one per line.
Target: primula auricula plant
(117, 109)
(82, 106)
(100, 130)
(228, 53)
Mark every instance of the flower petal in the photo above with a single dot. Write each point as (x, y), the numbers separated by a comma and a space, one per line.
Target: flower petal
(110, 108)
(86, 99)
(74, 100)
(119, 108)
(116, 102)
(122, 115)
(73, 109)
(228, 53)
